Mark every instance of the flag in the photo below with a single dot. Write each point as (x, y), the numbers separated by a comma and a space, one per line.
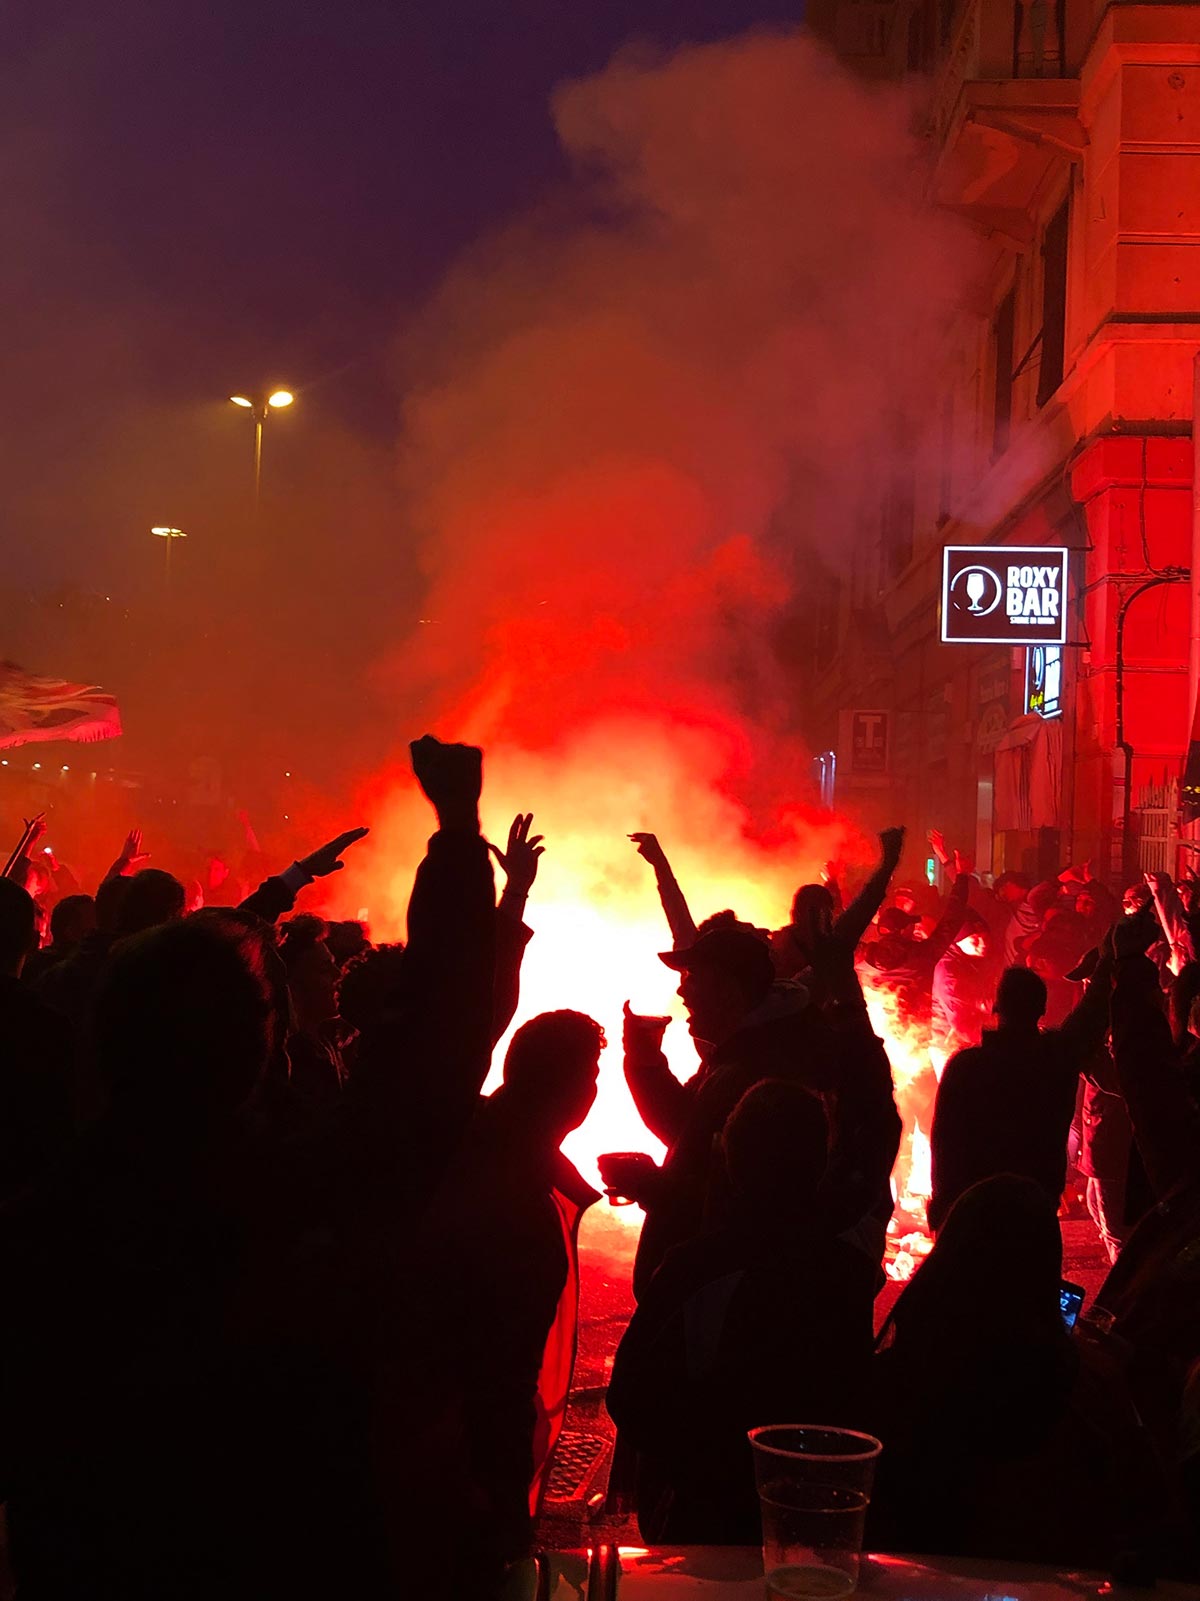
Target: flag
(35, 709)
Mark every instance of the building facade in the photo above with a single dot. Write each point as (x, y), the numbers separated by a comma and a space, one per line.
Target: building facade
(1067, 134)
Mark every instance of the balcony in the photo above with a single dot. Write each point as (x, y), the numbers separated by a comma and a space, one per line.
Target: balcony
(1003, 114)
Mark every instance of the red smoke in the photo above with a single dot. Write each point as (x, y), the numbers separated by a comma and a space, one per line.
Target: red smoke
(635, 421)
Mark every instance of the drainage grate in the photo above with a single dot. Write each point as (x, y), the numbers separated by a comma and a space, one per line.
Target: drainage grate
(575, 1462)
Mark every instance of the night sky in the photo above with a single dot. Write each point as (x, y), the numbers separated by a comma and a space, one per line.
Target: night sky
(201, 196)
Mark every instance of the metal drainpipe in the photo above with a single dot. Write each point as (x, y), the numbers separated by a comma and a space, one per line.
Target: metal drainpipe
(1128, 865)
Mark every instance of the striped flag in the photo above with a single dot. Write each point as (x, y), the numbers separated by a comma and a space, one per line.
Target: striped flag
(35, 709)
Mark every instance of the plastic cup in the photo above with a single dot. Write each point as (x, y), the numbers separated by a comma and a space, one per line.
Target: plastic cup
(814, 1487)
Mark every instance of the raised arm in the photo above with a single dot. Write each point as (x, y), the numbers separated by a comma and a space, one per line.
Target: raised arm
(1172, 918)
(953, 913)
(277, 894)
(420, 1070)
(854, 921)
(679, 918)
(519, 861)
(661, 1100)
(1165, 1118)
(131, 858)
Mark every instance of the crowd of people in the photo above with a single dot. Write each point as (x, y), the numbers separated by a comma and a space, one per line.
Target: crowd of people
(291, 1305)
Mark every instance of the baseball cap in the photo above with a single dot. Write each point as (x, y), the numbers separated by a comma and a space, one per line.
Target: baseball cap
(731, 950)
(893, 921)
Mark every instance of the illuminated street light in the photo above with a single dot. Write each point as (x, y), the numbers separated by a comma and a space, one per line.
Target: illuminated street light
(277, 400)
(170, 535)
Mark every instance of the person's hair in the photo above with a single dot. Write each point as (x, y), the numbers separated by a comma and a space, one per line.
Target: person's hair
(346, 940)
(298, 936)
(776, 1143)
(1020, 996)
(109, 898)
(1043, 897)
(369, 984)
(726, 919)
(948, 1301)
(810, 902)
(72, 918)
(185, 1017)
(151, 897)
(539, 1048)
(1021, 880)
(18, 921)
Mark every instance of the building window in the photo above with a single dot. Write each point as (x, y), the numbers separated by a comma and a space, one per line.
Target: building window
(1054, 303)
(1003, 330)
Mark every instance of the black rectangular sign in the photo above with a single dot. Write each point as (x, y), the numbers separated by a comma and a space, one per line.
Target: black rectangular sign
(1004, 595)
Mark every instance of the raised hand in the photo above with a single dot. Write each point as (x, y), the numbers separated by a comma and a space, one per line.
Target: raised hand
(641, 1035)
(648, 846)
(325, 860)
(964, 862)
(892, 844)
(132, 855)
(520, 857)
(832, 872)
(452, 778)
(937, 844)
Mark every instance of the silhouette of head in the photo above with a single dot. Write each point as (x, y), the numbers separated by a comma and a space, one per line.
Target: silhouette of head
(185, 1018)
(109, 898)
(973, 936)
(552, 1065)
(1134, 898)
(150, 897)
(71, 919)
(776, 1143)
(960, 1271)
(369, 984)
(1020, 998)
(1012, 888)
(18, 927)
(311, 970)
(725, 975)
(897, 924)
(812, 913)
(346, 941)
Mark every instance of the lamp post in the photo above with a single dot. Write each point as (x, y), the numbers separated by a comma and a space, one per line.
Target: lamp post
(170, 535)
(277, 400)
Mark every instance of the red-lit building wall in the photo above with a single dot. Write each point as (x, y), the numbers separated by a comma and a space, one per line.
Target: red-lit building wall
(1100, 114)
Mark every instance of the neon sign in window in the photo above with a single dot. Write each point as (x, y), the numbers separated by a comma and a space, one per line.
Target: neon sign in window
(1043, 680)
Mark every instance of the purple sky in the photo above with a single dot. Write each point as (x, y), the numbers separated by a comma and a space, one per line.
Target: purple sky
(212, 192)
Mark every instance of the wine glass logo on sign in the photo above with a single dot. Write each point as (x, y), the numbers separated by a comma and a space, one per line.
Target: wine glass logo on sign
(976, 590)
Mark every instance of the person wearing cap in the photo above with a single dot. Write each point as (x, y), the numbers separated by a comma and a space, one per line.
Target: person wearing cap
(746, 1028)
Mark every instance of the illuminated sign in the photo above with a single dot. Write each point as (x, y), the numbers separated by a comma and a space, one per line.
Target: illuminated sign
(1004, 595)
(1043, 680)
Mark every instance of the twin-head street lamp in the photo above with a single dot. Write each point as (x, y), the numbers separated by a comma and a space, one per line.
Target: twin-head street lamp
(277, 400)
(170, 535)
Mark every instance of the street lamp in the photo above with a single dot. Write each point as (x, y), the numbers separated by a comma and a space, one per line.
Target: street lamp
(170, 535)
(277, 400)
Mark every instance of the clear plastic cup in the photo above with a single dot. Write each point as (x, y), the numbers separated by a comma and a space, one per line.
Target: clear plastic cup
(814, 1487)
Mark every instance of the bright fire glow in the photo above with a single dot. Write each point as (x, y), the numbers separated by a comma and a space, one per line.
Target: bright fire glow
(595, 909)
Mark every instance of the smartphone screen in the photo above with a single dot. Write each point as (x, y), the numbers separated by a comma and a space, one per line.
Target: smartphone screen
(1070, 1299)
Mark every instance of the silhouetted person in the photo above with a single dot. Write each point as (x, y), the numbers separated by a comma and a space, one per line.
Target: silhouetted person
(198, 1317)
(964, 982)
(496, 1297)
(747, 1029)
(151, 897)
(766, 1317)
(905, 963)
(1006, 1105)
(36, 1054)
(71, 921)
(999, 1438)
(820, 938)
(316, 1072)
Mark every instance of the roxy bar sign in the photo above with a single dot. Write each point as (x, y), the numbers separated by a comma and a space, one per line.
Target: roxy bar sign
(1004, 595)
